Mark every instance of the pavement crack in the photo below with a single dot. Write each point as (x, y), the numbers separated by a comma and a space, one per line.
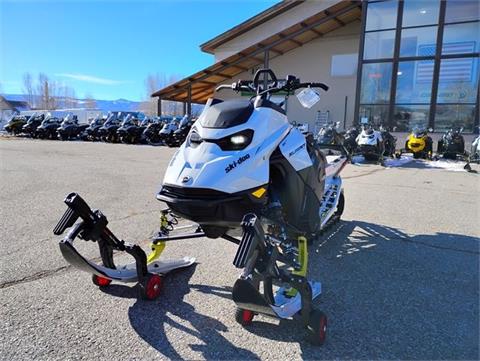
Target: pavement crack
(34, 277)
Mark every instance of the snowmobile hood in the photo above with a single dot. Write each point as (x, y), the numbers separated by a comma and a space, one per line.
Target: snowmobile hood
(204, 164)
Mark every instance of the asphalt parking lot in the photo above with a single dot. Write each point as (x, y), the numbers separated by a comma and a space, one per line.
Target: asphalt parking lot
(400, 273)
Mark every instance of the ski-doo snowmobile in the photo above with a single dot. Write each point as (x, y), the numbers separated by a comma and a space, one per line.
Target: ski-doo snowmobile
(475, 151)
(167, 131)
(181, 133)
(350, 140)
(390, 142)
(370, 144)
(48, 128)
(151, 134)
(70, 129)
(15, 124)
(419, 143)
(108, 131)
(130, 131)
(329, 135)
(244, 169)
(451, 144)
(93, 129)
(32, 124)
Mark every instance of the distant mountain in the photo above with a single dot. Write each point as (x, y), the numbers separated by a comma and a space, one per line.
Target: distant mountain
(104, 105)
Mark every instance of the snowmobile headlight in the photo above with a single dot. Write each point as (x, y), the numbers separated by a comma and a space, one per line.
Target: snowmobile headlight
(237, 141)
(195, 138)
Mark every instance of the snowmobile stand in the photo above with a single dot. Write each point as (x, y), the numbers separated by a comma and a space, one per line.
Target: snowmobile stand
(146, 270)
(258, 254)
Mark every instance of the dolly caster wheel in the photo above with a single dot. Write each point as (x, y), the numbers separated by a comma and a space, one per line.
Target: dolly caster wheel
(244, 317)
(100, 281)
(151, 287)
(317, 328)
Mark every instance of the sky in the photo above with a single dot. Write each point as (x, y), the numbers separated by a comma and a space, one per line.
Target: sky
(107, 48)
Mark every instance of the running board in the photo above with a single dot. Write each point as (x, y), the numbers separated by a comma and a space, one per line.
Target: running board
(333, 188)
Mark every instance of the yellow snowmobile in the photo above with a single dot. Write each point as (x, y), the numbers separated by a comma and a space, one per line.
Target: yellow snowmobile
(420, 144)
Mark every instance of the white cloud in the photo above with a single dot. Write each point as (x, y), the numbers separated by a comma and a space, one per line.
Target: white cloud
(90, 79)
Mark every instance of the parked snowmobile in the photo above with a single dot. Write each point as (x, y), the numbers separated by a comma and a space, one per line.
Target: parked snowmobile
(33, 123)
(15, 124)
(70, 129)
(166, 133)
(370, 144)
(108, 131)
(93, 130)
(350, 140)
(475, 151)
(181, 133)
(151, 134)
(48, 128)
(130, 131)
(243, 168)
(329, 135)
(451, 144)
(390, 142)
(419, 143)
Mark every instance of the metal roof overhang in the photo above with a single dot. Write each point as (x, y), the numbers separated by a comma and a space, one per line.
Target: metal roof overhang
(201, 85)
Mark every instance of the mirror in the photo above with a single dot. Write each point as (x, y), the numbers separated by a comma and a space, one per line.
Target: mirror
(430, 129)
(308, 97)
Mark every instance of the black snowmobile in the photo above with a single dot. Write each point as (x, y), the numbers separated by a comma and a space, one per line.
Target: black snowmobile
(32, 124)
(92, 131)
(70, 129)
(328, 135)
(130, 131)
(390, 142)
(108, 131)
(181, 133)
(350, 140)
(451, 144)
(15, 124)
(48, 128)
(151, 134)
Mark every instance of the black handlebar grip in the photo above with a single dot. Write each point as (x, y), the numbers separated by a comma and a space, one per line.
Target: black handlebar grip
(320, 85)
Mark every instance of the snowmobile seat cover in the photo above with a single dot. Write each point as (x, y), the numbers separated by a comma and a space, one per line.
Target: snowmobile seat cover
(226, 114)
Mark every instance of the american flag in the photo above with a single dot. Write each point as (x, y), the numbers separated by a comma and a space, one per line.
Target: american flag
(451, 70)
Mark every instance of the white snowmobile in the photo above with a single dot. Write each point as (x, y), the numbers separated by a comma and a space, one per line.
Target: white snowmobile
(242, 169)
(370, 144)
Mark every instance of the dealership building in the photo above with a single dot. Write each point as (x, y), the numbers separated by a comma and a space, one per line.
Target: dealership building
(398, 63)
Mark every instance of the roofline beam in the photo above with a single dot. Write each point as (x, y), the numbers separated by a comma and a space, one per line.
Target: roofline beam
(296, 42)
(334, 18)
(304, 25)
(275, 43)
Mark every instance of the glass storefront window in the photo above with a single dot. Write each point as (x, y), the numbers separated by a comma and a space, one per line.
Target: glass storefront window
(376, 79)
(454, 115)
(381, 15)
(420, 12)
(406, 117)
(418, 41)
(462, 10)
(379, 44)
(414, 81)
(461, 38)
(376, 114)
(458, 81)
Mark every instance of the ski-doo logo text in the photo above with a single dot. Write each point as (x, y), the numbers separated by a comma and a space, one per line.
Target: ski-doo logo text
(296, 150)
(239, 161)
